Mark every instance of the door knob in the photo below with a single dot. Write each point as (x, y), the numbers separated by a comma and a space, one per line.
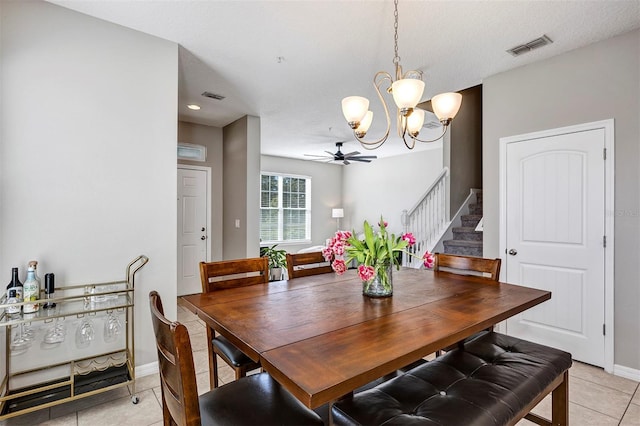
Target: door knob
(203, 238)
(513, 252)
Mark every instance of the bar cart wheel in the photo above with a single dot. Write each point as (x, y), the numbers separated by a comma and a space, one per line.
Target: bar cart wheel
(135, 399)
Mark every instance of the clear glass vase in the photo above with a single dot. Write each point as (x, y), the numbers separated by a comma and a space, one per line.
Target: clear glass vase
(381, 285)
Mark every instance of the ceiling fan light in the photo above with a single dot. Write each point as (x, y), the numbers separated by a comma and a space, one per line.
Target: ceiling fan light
(354, 109)
(407, 92)
(446, 105)
(415, 120)
(365, 123)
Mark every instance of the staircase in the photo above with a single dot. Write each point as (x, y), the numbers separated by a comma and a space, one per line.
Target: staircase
(466, 240)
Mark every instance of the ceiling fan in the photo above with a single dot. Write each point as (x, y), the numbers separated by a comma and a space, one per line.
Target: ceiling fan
(344, 158)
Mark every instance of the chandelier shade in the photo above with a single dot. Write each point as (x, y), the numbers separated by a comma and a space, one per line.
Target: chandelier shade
(446, 105)
(407, 90)
(354, 108)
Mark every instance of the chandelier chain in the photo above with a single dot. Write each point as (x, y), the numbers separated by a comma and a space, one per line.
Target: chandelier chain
(396, 58)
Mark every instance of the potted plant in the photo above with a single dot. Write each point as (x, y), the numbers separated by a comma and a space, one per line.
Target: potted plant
(277, 261)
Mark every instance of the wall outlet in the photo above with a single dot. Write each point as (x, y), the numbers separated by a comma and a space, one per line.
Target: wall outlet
(237, 223)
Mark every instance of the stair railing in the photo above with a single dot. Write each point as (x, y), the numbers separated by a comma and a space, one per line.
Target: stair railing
(427, 220)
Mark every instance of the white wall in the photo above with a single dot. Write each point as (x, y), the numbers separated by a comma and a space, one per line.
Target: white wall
(387, 186)
(326, 193)
(88, 153)
(594, 83)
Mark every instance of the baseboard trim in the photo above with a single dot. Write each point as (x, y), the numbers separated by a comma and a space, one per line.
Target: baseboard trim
(626, 372)
(147, 369)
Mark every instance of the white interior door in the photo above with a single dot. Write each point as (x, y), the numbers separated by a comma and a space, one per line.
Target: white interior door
(192, 228)
(555, 226)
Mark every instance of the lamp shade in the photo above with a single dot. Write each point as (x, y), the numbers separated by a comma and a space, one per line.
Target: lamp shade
(415, 121)
(446, 105)
(354, 108)
(365, 123)
(337, 213)
(407, 92)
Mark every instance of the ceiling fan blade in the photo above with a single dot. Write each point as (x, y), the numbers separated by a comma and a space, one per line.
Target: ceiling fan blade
(346, 163)
(330, 153)
(368, 157)
(318, 156)
(352, 153)
(360, 159)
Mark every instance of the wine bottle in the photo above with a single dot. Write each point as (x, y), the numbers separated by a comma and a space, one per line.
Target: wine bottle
(15, 284)
(49, 289)
(13, 309)
(31, 291)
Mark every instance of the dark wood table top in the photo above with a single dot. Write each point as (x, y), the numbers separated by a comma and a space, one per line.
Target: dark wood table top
(321, 338)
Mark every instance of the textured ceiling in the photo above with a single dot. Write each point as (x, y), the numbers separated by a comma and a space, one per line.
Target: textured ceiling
(291, 62)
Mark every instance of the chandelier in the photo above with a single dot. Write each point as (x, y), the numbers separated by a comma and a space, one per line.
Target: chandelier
(407, 91)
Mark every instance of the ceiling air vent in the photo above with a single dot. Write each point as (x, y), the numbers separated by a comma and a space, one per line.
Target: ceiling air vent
(213, 96)
(527, 47)
(432, 125)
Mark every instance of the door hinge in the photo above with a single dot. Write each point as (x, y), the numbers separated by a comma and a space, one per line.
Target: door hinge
(604, 329)
(604, 241)
(604, 153)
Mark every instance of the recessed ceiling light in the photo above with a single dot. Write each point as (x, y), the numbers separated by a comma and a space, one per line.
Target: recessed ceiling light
(193, 107)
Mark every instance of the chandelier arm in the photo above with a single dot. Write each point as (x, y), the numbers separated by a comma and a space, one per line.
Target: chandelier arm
(378, 79)
(413, 145)
(445, 127)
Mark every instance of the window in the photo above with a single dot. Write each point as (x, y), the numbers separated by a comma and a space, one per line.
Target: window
(285, 208)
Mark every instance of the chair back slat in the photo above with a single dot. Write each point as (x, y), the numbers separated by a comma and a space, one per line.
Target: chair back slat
(177, 372)
(296, 264)
(460, 263)
(234, 273)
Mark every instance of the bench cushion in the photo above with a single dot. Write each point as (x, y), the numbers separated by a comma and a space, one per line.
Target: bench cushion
(488, 383)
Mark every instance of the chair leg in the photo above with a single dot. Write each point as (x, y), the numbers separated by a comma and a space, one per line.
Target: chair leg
(560, 403)
(213, 361)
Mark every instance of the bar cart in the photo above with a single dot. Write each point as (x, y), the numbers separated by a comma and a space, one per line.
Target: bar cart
(81, 345)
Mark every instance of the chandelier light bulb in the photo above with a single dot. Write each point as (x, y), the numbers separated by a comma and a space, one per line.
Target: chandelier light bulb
(354, 109)
(415, 120)
(407, 92)
(446, 105)
(365, 123)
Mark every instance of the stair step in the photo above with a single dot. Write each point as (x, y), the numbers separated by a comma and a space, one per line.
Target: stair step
(470, 219)
(475, 208)
(466, 248)
(467, 233)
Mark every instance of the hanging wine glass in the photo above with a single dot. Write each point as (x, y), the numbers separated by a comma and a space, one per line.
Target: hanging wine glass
(19, 344)
(84, 333)
(112, 327)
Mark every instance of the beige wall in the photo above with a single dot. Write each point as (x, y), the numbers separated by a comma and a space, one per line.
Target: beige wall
(597, 82)
(326, 193)
(211, 138)
(88, 153)
(241, 188)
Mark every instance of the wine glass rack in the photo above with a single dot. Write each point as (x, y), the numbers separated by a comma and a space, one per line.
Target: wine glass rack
(50, 371)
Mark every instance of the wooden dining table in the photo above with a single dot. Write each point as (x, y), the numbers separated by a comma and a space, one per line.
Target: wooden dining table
(321, 338)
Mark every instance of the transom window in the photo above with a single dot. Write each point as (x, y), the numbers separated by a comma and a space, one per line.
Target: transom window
(285, 208)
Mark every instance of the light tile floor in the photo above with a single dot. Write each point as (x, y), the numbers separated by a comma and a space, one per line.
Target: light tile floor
(596, 398)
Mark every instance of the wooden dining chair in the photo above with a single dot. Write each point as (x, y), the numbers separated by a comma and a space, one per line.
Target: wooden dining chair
(298, 264)
(257, 399)
(467, 265)
(230, 274)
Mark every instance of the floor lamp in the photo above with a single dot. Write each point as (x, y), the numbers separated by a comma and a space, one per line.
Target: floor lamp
(337, 214)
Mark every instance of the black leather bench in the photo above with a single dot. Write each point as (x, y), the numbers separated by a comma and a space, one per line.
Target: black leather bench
(491, 380)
